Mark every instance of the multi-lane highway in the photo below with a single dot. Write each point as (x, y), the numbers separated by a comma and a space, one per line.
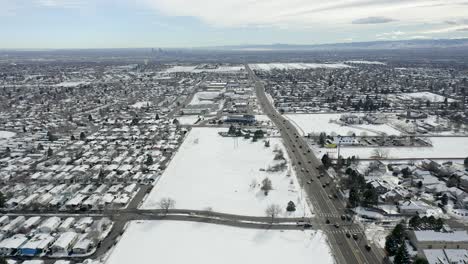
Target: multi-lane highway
(328, 209)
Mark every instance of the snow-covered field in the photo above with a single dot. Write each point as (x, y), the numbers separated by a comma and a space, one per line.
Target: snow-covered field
(192, 68)
(204, 98)
(427, 96)
(147, 242)
(316, 123)
(443, 147)
(139, 105)
(295, 66)
(71, 83)
(188, 119)
(365, 62)
(210, 171)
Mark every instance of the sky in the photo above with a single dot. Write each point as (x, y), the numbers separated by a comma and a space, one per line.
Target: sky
(41, 24)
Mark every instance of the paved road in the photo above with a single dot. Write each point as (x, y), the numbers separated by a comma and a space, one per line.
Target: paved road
(346, 250)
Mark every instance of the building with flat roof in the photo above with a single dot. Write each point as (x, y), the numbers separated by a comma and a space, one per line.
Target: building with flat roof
(429, 239)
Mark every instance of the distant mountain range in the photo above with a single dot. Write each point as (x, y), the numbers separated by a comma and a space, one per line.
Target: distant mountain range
(376, 45)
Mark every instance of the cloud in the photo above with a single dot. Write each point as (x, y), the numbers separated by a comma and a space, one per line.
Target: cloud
(311, 13)
(373, 20)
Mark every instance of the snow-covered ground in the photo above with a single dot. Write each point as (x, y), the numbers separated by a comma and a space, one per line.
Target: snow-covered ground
(139, 105)
(188, 119)
(316, 123)
(376, 234)
(292, 66)
(365, 62)
(71, 83)
(147, 242)
(204, 98)
(427, 96)
(192, 68)
(222, 173)
(443, 147)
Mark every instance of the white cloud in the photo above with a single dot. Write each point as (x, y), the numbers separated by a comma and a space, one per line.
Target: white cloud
(310, 13)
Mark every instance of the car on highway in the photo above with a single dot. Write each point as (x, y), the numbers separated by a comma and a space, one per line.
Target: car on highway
(343, 217)
(327, 221)
(337, 225)
(309, 182)
(348, 235)
(355, 236)
(330, 196)
(367, 247)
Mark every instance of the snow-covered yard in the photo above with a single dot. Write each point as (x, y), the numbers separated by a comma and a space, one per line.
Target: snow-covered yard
(185, 242)
(293, 66)
(316, 123)
(222, 173)
(443, 147)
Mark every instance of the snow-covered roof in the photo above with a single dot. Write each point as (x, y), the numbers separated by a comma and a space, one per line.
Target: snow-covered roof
(430, 235)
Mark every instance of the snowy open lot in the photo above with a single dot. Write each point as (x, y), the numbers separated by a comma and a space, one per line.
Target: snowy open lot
(443, 147)
(192, 68)
(427, 96)
(185, 242)
(188, 119)
(204, 98)
(295, 66)
(210, 171)
(316, 123)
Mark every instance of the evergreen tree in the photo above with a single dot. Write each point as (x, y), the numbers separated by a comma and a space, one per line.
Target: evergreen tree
(82, 136)
(291, 207)
(322, 139)
(354, 197)
(157, 116)
(90, 118)
(50, 152)
(72, 138)
(466, 162)
(415, 221)
(444, 199)
(149, 160)
(391, 245)
(402, 256)
(2, 200)
(326, 161)
(40, 147)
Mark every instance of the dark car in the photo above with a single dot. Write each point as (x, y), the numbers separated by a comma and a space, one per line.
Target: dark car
(337, 225)
(327, 221)
(368, 248)
(348, 235)
(343, 217)
(355, 236)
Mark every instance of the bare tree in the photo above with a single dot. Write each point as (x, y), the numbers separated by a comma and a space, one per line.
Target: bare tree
(166, 204)
(273, 210)
(380, 153)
